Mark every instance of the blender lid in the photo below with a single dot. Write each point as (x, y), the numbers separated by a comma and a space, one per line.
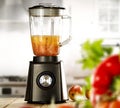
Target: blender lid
(47, 10)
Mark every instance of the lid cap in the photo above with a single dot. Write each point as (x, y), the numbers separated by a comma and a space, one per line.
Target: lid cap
(47, 10)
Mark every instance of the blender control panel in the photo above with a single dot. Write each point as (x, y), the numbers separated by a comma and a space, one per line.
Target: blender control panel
(45, 80)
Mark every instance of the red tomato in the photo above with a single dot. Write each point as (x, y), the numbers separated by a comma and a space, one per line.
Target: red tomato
(113, 68)
(113, 59)
(115, 104)
(74, 91)
(103, 75)
(99, 90)
(101, 78)
(107, 104)
(102, 105)
(112, 64)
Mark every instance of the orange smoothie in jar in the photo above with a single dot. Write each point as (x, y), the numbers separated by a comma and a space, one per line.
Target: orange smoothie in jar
(45, 45)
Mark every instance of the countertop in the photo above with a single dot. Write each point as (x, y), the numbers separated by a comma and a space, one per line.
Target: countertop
(20, 103)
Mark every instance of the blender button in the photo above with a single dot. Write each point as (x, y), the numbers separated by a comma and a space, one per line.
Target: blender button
(45, 80)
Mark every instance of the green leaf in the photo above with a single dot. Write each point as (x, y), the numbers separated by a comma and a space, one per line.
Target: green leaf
(87, 86)
(88, 62)
(115, 86)
(88, 82)
(93, 53)
(108, 50)
(97, 49)
(87, 104)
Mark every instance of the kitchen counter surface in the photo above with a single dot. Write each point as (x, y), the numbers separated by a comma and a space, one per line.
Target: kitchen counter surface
(20, 103)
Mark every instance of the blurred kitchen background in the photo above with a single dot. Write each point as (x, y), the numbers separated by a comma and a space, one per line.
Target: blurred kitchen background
(91, 19)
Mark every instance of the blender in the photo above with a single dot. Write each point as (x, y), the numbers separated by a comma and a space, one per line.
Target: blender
(46, 77)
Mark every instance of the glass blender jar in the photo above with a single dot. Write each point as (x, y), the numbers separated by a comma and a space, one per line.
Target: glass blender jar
(48, 25)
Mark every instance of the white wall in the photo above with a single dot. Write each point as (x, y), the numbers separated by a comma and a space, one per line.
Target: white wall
(15, 49)
(15, 45)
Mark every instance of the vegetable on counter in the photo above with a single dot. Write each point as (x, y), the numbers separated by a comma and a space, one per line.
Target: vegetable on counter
(93, 54)
(75, 91)
(106, 82)
(108, 104)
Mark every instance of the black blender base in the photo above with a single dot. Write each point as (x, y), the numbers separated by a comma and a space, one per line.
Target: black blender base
(46, 81)
(45, 102)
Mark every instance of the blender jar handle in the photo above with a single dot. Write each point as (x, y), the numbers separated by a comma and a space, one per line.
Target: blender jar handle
(70, 37)
(65, 41)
